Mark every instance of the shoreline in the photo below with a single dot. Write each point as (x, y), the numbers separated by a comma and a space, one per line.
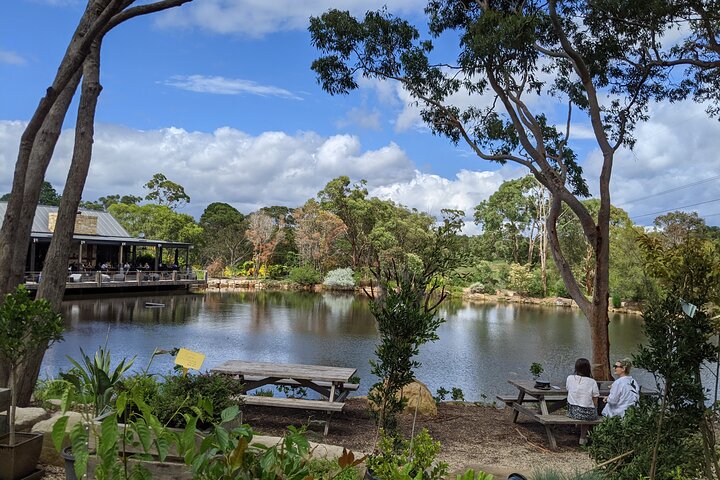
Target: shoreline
(502, 296)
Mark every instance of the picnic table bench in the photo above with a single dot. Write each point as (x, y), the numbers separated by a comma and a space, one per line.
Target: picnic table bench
(332, 383)
(538, 404)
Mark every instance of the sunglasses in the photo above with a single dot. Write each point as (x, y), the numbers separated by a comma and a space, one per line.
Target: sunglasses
(618, 366)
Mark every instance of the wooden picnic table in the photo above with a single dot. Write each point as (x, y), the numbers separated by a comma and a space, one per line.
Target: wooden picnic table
(538, 404)
(332, 383)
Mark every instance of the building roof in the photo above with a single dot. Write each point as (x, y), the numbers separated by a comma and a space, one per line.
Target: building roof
(109, 230)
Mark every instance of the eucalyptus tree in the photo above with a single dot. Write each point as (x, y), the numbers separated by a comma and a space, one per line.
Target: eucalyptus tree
(37, 143)
(509, 52)
(223, 235)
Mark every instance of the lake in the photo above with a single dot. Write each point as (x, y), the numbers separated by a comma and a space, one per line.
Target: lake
(480, 345)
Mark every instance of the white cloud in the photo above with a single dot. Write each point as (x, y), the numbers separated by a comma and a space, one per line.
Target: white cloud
(227, 165)
(432, 193)
(227, 86)
(676, 148)
(256, 18)
(11, 58)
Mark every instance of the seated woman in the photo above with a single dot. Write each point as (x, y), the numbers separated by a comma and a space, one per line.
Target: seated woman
(624, 391)
(582, 396)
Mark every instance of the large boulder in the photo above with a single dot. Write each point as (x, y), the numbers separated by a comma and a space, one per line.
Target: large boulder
(49, 454)
(25, 418)
(418, 396)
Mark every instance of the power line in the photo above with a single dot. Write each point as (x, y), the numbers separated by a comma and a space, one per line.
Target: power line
(681, 187)
(676, 208)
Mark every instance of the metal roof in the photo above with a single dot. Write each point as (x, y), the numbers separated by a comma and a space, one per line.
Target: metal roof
(109, 229)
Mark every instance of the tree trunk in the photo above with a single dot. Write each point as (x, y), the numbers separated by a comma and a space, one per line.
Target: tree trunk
(596, 310)
(15, 231)
(55, 271)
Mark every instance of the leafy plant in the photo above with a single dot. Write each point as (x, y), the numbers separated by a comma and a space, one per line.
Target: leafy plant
(340, 278)
(398, 459)
(179, 393)
(471, 474)
(96, 378)
(25, 325)
(293, 392)
(536, 369)
(441, 394)
(457, 394)
(305, 275)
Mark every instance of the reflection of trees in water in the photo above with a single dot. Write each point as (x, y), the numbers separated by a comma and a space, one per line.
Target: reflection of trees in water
(178, 309)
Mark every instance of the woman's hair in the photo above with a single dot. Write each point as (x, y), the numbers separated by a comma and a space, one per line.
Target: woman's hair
(582, 367)
(626, 364)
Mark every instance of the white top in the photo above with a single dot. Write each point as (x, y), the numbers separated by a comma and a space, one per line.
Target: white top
(581, 390)
(624, 393)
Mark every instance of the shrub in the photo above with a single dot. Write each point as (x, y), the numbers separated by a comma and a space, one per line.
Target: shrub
(616, 436)
(305, 275)
(616, 302)
(216, 268)
(340, 278)
(479, 287)
(179, 394)
(277, 271)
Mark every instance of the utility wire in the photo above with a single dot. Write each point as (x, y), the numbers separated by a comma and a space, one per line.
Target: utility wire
(681, 187)
(677, 208)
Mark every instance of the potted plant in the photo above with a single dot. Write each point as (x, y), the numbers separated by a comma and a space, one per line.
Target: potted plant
(536, 370)
(25, 324)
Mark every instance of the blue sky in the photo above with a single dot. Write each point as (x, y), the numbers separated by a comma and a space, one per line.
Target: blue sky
(218, 95)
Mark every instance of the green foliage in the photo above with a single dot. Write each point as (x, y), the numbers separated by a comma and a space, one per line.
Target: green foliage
(178, 394)
(634, 432)
(277, 272)
(399, 459)
(165, 192)
(158, 222)
(48, 196)
(440, 394)
(473, 475)
(405, 320)
(305, 275)
(536, 369)
(457, 394)
(675, 436)
(616, 301)
(25, 326)
(340, 278)
(550, 474)
(49, 389)
(95, 377)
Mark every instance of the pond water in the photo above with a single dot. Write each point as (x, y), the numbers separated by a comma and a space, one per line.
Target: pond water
(480, 345)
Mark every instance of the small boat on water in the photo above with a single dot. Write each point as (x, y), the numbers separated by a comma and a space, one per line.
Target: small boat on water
(153, 305)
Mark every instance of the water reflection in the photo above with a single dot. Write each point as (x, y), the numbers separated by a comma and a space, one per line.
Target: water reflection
(480, 345)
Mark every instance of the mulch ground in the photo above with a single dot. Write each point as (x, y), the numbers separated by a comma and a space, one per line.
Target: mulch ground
(471, 435)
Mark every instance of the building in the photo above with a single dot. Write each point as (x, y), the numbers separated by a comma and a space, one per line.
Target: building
(102, 250)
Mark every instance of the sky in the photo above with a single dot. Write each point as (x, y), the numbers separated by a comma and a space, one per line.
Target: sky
(218, 95)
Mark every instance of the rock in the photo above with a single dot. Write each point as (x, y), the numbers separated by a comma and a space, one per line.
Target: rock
(418, 394)
(414, 393)
(25, 418)
(49, 454)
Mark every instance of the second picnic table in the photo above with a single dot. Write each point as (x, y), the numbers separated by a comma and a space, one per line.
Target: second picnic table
(332, 383)
(545, 402)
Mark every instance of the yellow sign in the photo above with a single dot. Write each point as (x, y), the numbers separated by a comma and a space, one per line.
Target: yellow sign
(189, 359)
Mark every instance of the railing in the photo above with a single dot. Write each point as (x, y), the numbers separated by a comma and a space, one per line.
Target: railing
(132, 277)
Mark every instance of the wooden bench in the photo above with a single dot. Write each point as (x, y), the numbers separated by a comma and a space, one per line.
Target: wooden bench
(300, 403)
(509, 400)
(564, 420)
